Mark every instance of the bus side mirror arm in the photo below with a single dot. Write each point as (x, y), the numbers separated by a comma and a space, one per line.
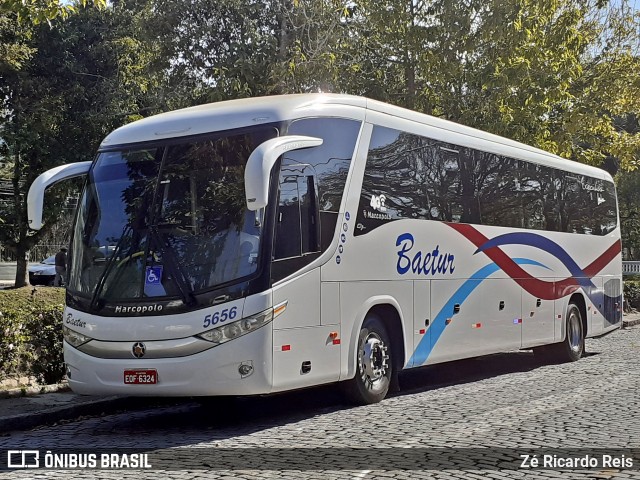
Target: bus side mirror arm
(262, 160)
(35, 197)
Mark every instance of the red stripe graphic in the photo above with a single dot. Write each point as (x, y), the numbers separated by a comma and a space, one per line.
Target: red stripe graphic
(536, 287)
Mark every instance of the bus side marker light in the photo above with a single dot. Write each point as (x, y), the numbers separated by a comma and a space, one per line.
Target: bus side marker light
(559, 317)
(423, 331)
(286, 348)
(476, 325)
(336, 341)
(518, 321)
(279, 309)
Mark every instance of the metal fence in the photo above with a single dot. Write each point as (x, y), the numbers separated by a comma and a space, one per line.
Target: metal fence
(630, 267)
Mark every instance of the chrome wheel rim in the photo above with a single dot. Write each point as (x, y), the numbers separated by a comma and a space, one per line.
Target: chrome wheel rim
(374, 361)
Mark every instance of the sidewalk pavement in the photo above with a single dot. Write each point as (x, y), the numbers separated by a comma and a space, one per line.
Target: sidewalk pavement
(26, 408)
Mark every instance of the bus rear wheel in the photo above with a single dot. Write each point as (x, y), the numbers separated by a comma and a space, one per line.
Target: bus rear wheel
(374, 367)
(571, 348)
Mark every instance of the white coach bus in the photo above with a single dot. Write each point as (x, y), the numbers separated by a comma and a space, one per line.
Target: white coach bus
(267, 244)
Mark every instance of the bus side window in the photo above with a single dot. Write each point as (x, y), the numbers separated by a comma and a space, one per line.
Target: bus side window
(297, 225)
(288, 242)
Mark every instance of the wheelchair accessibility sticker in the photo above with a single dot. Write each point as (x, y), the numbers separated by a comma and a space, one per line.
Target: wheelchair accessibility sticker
(153, 275)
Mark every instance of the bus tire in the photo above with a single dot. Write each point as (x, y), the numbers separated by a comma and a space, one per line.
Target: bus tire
(374, 364)
(572, 348)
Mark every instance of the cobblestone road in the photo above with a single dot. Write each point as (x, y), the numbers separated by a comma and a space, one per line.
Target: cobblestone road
(468, 419)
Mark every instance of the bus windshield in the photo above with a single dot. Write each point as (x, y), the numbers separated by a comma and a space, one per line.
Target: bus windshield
(167, 221)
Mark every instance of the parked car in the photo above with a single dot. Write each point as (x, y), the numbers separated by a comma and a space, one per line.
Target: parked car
(43, 273)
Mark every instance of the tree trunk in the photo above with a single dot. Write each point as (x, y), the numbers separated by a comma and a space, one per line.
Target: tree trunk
(22, 274)
(409, 66)
(23, 241)
(410, 78)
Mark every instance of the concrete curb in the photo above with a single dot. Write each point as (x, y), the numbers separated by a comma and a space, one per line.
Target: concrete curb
(631, 322)
(30, 391)
(24, 421)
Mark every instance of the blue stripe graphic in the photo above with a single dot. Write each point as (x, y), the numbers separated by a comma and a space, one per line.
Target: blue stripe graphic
(424, 348)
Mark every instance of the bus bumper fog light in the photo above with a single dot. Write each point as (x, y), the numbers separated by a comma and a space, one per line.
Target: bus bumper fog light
(245, 369)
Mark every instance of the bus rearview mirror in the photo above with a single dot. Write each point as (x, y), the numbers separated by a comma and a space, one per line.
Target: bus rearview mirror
(35, 197)
(262, 160)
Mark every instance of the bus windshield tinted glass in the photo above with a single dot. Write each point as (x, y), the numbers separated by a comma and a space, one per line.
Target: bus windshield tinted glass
(167, 221)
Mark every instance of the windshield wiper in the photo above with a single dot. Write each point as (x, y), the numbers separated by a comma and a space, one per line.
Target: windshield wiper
(177, 274)
(110, 262)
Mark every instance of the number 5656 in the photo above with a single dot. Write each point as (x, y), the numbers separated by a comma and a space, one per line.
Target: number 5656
(220, 317)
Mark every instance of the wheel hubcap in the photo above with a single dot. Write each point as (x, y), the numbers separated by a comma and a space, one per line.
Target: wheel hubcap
(374, 360)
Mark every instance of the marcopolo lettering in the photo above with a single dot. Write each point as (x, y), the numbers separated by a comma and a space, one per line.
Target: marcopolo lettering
(138, 308)
(419, 262)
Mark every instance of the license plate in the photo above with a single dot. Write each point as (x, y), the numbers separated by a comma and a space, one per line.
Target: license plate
(140, 377)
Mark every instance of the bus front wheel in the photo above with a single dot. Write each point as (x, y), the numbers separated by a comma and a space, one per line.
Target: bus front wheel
(374, 367)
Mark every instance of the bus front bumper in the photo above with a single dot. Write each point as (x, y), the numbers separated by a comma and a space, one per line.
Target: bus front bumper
(240, 367)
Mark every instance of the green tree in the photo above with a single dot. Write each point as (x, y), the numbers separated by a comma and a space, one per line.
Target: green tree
(554, 73)
(215, 50)
(85, 76)
(310, 37)
(38, 11)
(629, 204)
(212, 50)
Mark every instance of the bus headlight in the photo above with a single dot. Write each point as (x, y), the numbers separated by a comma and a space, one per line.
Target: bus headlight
(74, 338)
(241, 327)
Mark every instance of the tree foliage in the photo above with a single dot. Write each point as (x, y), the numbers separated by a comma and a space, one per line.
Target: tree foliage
(629, 205)
(83, 77)
(213, 50)
(555, 74)
(39, 11)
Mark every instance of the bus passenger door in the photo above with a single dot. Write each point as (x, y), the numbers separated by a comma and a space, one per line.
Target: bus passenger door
(304, 350)
(538, 319)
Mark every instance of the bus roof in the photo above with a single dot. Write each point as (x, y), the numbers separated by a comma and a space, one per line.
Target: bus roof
(231, 114)
(244, 112)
